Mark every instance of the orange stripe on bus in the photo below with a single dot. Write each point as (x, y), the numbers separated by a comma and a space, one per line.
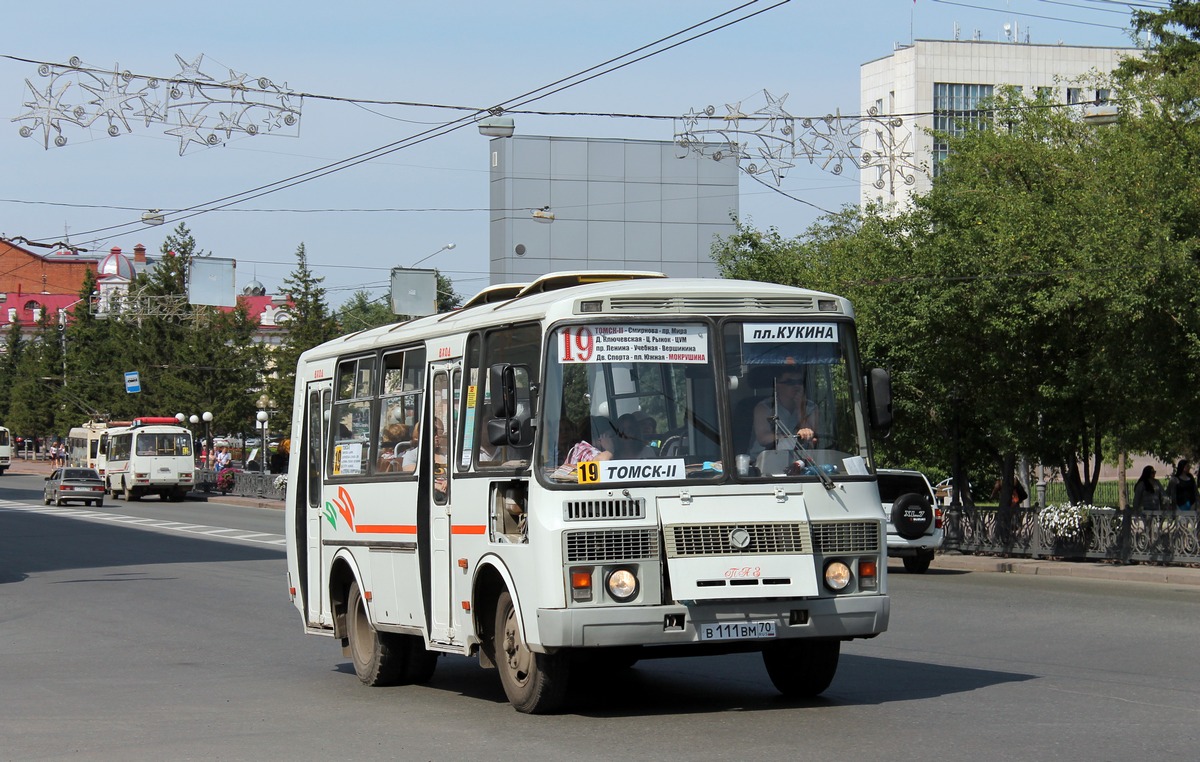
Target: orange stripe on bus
(469, 529)
(386, 529)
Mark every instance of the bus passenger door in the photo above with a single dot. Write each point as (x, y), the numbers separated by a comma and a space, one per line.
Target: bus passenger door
(316, 588)
(437, 481)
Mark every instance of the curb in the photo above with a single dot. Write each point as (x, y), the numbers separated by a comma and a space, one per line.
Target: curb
(1168, 575)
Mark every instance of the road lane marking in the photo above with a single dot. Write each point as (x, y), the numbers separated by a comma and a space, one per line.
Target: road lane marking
(134, 522)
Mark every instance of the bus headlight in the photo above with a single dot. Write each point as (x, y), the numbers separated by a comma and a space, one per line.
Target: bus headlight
(837, 575)
(622, 585)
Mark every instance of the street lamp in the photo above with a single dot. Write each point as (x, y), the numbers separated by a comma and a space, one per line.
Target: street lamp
(207, 418)
(262, 422)
(447, 247)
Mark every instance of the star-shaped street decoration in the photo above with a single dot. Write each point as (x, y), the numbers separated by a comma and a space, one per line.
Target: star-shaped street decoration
(245, 104)
(775, 162)
(231, 122)
(773, 110)
(735, 114)
(47, 111)
(236, 84)
(151, 110)
(190, 74)
(188, 131)
(111, 101)
(691, 119)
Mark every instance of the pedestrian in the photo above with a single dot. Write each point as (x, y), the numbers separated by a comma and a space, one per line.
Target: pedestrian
(1148, 493)
(1182, 487)
(224, 458)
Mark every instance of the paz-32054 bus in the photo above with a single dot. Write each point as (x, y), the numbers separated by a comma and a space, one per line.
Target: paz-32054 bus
(592, 468)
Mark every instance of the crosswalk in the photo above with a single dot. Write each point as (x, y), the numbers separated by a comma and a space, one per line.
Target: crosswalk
(87, 514)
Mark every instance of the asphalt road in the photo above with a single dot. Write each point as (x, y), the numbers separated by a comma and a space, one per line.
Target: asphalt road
(142, 634)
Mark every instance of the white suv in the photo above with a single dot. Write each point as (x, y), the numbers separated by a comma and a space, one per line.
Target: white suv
(914, 518)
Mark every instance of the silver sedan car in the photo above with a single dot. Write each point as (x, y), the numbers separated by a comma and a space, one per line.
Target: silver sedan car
(82, 484)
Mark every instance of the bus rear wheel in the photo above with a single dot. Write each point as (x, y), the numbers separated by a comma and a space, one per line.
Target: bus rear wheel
(535, 683)
(379, 658)
(802, 668)
(130, 495)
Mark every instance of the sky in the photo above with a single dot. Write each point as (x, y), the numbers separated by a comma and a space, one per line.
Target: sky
(429, 187)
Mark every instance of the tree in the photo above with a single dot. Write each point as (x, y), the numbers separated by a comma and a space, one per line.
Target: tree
(363, 312)
(1038, 301)
(35, 397)
(309, 323)
(1176, 40)
(13, 347)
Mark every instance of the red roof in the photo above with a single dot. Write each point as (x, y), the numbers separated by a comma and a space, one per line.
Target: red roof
(25, 304)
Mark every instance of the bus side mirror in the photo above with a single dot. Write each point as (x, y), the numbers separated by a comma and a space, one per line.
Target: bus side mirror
(513, 432)
(512, 413)
(879, 391)
(503, 387)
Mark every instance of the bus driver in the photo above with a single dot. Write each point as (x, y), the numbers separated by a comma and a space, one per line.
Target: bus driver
(795, 415)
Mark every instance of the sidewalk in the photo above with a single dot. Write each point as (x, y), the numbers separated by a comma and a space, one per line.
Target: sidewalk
(1163, 575)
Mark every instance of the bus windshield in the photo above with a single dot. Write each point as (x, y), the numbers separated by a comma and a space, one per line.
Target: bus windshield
(666, 401)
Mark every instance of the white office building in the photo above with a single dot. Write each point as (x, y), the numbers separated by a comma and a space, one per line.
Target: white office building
(934, 84)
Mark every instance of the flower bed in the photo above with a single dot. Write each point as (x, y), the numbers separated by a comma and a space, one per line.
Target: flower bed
(226, 480)
(1065, 523)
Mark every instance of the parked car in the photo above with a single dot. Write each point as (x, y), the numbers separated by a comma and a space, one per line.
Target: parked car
(82, 484)
(914, 518)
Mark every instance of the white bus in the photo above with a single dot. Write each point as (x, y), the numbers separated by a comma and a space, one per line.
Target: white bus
(83, 445)
(433, 505)
(6, 449)
(151, 456)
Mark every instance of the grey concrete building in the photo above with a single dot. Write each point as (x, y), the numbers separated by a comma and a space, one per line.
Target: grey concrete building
(605, 204)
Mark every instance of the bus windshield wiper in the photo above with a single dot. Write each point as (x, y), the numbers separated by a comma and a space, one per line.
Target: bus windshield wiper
(826, 481)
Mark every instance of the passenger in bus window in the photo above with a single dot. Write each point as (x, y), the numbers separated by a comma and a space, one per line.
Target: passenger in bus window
(597, 429)
(392, 441)
(408, 461)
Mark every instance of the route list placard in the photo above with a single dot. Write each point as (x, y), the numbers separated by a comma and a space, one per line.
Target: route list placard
(633, 343)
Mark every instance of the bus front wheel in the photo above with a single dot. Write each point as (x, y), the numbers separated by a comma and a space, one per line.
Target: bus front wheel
(802, 668)
(379, 658)
(535, 683)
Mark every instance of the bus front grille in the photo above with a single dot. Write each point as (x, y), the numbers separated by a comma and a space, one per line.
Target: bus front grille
(601, 545)
(620, 508)
(846, 536)
(734, 539)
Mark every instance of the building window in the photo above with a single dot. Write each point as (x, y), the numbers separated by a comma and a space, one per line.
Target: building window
(955, 108)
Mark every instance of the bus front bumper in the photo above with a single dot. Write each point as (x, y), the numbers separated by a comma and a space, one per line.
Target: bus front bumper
(848, 617)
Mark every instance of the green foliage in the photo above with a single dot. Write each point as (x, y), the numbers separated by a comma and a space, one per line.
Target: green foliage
(309, 323)
(1039, 300)
(363, 312)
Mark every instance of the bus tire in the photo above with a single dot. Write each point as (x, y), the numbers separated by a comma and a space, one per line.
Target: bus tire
(802, 668)
(379, 658)
(420, 662)
(535, 683)
(130, 495)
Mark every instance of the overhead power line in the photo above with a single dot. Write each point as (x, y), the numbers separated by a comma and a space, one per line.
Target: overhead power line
(613, 64)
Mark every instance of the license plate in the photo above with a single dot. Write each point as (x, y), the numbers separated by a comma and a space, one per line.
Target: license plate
(736, 630)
